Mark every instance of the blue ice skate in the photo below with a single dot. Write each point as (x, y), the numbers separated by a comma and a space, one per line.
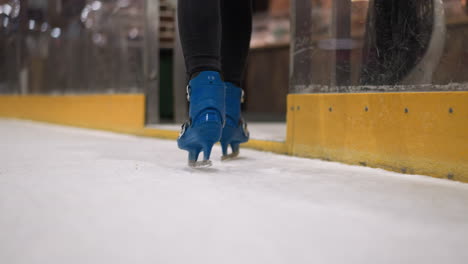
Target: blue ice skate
(206, 94)
(235, 131)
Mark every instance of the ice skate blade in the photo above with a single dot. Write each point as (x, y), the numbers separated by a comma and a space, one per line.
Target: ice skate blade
(231, 156)
(200, 164)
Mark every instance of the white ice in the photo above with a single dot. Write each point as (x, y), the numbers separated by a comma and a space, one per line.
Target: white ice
(71, 195)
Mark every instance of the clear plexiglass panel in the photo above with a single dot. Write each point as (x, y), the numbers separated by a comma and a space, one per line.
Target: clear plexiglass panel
(379, 45)
(79, 46)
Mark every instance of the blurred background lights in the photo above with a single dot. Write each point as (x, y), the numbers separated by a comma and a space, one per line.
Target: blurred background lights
(56, 32)
(11, 9)
(7, 9)
(96, 5)
(133, 33)
(44, 27)
(85, 13)
(32, 24)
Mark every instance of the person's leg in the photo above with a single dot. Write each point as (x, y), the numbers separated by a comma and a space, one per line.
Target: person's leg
(236, 17)
(200, 34)
(236, 20)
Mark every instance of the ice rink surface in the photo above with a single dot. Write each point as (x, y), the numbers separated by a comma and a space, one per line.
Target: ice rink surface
(71, 195)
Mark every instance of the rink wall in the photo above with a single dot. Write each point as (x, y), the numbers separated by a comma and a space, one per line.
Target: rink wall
(416, 133)
(119, 113)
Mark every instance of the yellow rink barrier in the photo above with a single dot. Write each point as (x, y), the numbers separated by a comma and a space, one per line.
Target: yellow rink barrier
(119, 113)
(416, 133)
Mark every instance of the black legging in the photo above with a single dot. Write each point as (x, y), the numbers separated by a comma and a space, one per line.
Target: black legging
(215, 35)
